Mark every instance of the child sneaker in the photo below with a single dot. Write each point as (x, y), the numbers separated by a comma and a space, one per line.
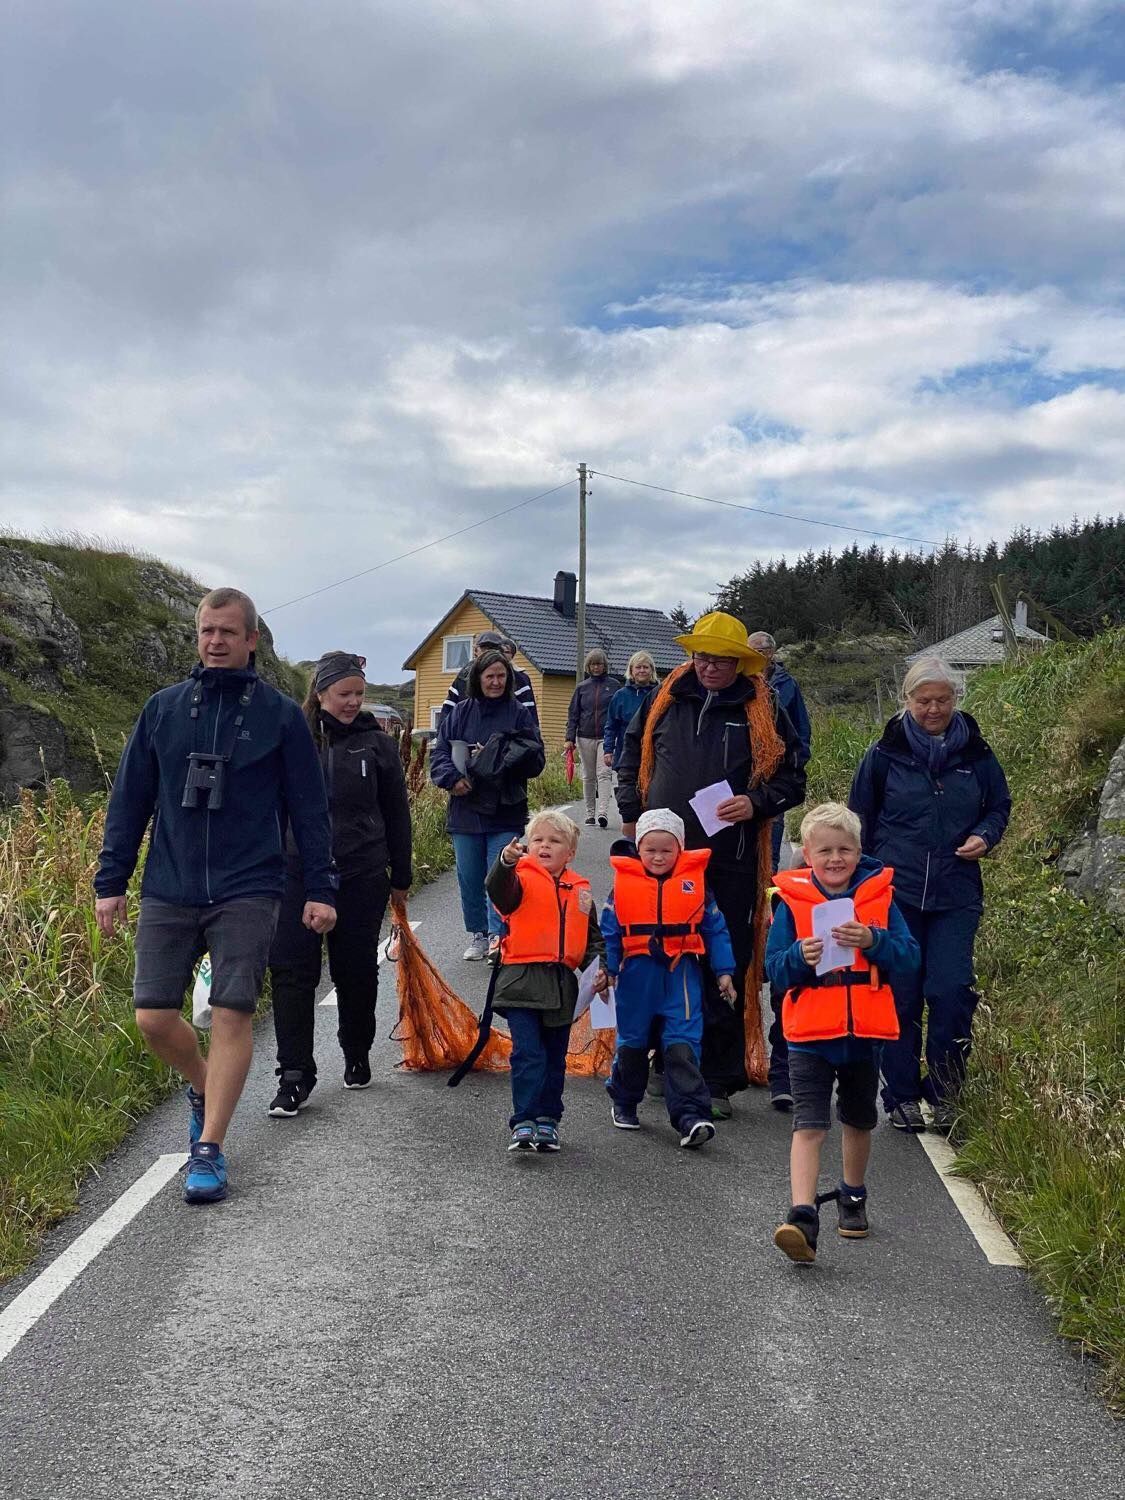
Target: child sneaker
(798, 1235)
(206, 1180)
(523, 1136)
(853, 1215)
(624, 1116)
(547, 1136)
(696, 1133)
(195, 1123)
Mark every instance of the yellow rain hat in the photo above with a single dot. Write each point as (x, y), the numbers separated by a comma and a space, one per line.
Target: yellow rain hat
(718, 634)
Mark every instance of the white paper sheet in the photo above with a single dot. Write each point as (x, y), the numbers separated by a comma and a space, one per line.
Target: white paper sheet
(704, 803)
(827, 915)
(586, 979)
(201, 995)
(603, 1012)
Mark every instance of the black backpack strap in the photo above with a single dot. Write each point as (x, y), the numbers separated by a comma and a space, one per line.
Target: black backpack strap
(483, 1032)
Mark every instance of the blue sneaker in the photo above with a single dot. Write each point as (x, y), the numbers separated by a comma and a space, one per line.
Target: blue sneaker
(206, 1180)
(547, 1136)
(624, 1116)
(195, 1124)
(523, 1136)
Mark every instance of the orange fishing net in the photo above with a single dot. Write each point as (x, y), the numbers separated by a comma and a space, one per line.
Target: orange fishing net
(437, 1030)
(767, 749)
(435, 1027)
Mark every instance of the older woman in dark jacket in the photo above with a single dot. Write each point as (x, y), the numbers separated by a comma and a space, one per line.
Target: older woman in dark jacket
(933, 801)
(371, 844)
(486, 751)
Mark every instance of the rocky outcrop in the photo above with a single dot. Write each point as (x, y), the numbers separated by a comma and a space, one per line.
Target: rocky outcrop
(1095, 864)
(35, 622)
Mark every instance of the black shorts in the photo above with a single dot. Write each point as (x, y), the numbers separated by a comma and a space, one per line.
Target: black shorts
(811, 1077)
(172, 939)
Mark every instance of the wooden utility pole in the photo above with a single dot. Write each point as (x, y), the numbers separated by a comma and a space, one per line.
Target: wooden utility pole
(581, 611)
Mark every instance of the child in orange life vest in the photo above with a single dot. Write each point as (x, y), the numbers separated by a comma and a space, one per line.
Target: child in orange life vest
(550, 930)
(658, 923)
(834, 1023)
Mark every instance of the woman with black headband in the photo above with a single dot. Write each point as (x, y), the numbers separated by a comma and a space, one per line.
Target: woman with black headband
(371, 843)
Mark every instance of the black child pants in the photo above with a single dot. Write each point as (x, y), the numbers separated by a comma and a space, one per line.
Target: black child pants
(353, 959)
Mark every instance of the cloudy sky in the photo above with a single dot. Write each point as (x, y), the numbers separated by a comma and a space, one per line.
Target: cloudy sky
(292, 288)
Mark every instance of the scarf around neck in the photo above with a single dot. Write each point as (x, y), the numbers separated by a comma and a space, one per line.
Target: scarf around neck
(934, 750)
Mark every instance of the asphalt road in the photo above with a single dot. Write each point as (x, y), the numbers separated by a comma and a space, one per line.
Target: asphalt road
(390, 1305)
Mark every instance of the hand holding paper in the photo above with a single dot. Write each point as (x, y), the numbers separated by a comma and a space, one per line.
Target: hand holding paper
(705, 804)
(825, 917)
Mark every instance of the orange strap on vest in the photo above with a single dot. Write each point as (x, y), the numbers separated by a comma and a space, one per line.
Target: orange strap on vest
(551, 925)
(845, 1002)
(661, 917)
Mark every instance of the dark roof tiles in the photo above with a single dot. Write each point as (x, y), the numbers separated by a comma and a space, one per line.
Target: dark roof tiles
(550, 641)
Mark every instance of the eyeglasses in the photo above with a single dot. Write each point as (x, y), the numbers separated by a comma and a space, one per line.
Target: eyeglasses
(703, 660)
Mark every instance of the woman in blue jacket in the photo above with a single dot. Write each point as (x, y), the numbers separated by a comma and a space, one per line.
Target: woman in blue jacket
(486, 751)
(933, 801)
(640, 684)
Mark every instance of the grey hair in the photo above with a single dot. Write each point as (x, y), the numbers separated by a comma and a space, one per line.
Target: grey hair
(929, 669)
(220, 598)
(762, 638)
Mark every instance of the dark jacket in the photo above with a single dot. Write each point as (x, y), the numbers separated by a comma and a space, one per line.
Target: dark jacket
(512, 755)
(622, 707)
(792, 700)
(550, 988)
(459, 690)
(367, 799)
(700, 739)
(589, 705)
(199, 856)
(914, 823)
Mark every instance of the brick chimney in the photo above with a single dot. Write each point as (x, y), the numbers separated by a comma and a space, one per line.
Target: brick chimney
(566, 595)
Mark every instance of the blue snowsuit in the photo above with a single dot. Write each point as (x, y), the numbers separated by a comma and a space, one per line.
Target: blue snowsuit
(660, 1004)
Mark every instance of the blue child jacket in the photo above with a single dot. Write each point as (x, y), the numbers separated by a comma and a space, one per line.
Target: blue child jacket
(198, 856)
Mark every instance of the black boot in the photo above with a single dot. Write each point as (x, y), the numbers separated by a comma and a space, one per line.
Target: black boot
(798, 1235)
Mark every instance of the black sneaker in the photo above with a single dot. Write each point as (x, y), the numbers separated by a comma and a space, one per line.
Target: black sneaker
(798, 1235)
(696, 1133)
(782, 1101)
(357, 1074)
(291, 1097)
(589, 822)
(603, 822)
(624, 1116)
(943, 1116)
(853, 1215)
(908, 1117)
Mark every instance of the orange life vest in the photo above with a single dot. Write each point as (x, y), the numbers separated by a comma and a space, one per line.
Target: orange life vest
(551, 925)
(661, 917)
(845, 1002)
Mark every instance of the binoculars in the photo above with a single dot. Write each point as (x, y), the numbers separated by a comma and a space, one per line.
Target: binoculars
(204, 784)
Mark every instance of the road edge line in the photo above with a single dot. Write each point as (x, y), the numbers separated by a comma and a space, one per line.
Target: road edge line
(25, 1310)
(983, 1224)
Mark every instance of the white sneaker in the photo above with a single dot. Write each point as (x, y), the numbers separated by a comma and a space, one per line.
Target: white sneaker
(478, 948)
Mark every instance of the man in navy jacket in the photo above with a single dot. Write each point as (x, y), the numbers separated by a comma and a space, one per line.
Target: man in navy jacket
(219, 764)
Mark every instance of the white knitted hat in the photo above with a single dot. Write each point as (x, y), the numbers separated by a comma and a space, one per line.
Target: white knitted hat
(661, 820)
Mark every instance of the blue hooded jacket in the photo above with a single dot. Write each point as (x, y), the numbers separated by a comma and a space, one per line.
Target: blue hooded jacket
(490, 808)
(792, 700)
(915, 822)
(622, 708)
(199, 856)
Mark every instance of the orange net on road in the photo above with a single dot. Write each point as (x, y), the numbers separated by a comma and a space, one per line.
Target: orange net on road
(436, 1029)
(589, 1053)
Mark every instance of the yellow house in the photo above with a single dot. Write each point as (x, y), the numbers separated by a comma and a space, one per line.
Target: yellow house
(546, 635)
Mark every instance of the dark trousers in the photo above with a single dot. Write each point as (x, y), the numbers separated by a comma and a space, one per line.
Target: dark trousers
(777, 833)
(687, 1096)
(538, 1066)
(353, 962)
(779, 1047)
(724, 1038)
(944, 987)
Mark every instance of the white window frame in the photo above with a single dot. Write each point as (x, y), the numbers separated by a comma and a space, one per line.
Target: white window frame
(449, 640)
(435, 715)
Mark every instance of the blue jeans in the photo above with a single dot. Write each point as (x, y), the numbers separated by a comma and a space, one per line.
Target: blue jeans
(944, 986)
(538, 1066)
(475, 854)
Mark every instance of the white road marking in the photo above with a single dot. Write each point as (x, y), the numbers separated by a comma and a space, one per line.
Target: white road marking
(983, 1223)
(330, 998)
(24, 1311)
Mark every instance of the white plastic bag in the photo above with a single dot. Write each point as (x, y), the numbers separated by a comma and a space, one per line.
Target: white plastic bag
(201, 995)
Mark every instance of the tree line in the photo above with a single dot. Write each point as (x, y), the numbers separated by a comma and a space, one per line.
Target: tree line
(1078, 571)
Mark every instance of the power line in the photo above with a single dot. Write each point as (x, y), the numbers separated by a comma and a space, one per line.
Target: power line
(760, 511)
(413, 552)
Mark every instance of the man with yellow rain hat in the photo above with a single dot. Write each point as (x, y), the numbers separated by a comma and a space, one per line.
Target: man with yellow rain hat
(713, 720)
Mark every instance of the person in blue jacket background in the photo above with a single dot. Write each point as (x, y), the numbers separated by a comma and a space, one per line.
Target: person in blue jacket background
(640, 684)
(220, 764)
(933, 800)
(791, 699)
